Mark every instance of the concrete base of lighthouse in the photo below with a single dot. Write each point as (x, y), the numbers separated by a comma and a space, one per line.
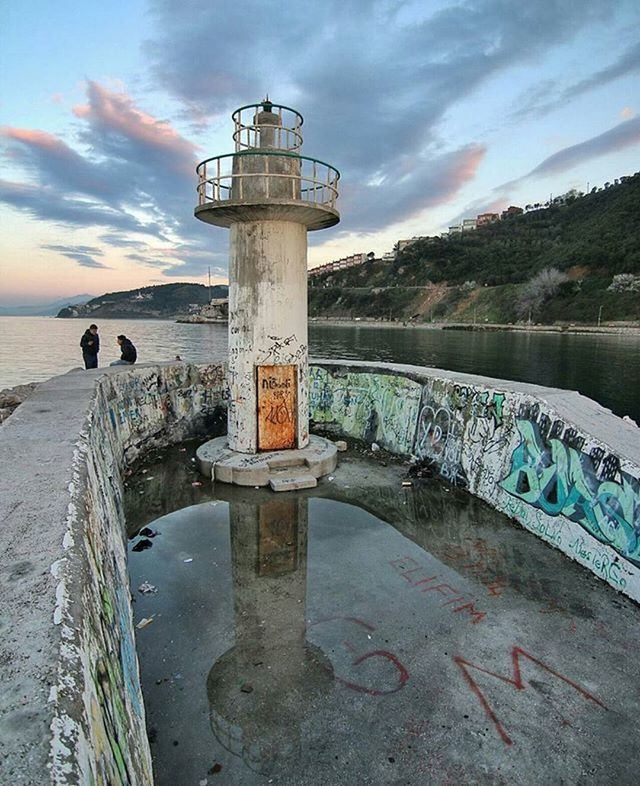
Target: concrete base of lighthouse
(282, 470)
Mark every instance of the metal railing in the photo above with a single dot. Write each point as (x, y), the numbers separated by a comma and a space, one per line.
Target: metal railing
(280, 175)
(283, 135)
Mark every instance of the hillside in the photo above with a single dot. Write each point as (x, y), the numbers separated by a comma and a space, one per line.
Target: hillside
(494, 273)
(165, 301)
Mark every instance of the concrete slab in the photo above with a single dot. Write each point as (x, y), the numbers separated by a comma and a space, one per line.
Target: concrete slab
(215, 460)
(293, 482)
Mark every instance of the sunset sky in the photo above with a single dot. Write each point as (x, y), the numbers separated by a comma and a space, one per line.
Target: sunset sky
(431, 111)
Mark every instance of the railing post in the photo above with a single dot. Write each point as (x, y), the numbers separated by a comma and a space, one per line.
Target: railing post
(267, 177)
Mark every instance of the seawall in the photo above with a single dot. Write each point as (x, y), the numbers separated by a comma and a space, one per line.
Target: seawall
(561, 465)
(71, 709)
(558, 463)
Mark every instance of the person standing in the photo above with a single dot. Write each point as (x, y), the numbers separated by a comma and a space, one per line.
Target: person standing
(90, 343)
(128, 352)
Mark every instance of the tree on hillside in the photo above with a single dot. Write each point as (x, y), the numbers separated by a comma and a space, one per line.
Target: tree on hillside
(536, 292)
(625, 282)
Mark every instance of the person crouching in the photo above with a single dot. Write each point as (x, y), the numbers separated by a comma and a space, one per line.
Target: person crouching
(128, 352)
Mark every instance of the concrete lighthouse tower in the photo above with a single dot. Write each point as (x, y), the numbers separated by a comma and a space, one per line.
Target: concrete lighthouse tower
(270, 196)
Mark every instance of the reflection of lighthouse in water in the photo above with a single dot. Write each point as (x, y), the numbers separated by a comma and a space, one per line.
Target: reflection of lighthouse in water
(262, 689)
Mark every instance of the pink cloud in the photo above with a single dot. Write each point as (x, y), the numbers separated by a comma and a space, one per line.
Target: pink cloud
(465, 166)
(112, 111)
(39, 139)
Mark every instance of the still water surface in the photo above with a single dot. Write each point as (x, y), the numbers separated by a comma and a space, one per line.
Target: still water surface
(604, 367)
(315, 638)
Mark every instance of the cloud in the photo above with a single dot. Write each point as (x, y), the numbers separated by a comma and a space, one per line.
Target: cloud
(623, 135)
(406, 191)
(373, 78)
(50, 205)
(627, 63)
(134, 165)
(617, 138)
(82, 255)
(548, 96)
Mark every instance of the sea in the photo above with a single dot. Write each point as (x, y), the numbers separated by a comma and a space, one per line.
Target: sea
(605, 367)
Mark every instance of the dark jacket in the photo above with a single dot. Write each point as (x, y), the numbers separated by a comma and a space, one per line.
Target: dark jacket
(128, 351)
(90, 349)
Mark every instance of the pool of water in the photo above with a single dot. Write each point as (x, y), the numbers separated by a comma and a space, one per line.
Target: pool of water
(367, 632)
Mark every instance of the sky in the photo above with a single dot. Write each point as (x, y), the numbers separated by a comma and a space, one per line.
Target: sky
(431, 110)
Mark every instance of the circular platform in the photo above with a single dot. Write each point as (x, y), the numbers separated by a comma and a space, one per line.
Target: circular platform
(227, 212)
(282, 470)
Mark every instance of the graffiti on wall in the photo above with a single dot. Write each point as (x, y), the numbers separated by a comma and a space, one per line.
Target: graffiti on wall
(457, 428)
(373, 407)
(551, 472)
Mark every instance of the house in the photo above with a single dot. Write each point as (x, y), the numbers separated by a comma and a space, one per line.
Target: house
(468, 224)
(486, 218)
(512, 210)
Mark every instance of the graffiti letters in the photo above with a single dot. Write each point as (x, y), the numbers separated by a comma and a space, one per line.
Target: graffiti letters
(561, 480)
(516, 681)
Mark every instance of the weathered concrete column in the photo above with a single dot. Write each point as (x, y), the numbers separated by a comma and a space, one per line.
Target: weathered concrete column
(267, 327)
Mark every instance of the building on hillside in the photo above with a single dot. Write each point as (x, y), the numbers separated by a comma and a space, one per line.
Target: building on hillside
(469, 224)
(402, 244)
(484, 219)
(389, 256)
(339, 264)
(455, 230)
(512, 210)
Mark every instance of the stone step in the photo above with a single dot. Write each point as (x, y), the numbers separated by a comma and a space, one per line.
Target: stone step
(284, 461)
(292, 481)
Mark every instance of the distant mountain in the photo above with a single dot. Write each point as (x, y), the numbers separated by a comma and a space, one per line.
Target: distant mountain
(43, 309)
(165, 301)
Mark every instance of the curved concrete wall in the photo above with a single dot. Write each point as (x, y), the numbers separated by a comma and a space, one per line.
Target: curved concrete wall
(558, 463)
(71, 710)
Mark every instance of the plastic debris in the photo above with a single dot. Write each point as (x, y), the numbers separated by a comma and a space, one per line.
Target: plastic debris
(341, 445)
(330, 477)
(407, 483)
(197, 483)
(144, 622)
(145, 588)
(375, 447)
(188, 560)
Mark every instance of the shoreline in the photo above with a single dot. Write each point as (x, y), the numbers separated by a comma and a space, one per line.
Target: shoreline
(616, 328)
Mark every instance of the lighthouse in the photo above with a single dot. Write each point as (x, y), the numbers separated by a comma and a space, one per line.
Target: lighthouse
(269, 196)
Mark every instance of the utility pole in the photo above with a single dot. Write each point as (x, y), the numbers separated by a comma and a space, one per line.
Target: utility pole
(209, 283)
(599, 315)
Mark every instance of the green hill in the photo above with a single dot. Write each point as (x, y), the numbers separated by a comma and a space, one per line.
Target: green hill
(163, 301)
(491, 273)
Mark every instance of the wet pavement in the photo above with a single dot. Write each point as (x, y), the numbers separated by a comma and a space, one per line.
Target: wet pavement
(366, 632)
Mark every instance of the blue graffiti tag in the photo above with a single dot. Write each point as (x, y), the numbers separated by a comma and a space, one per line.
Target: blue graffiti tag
(560, 480)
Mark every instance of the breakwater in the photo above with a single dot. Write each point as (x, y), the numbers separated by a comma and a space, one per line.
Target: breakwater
(561, 465)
